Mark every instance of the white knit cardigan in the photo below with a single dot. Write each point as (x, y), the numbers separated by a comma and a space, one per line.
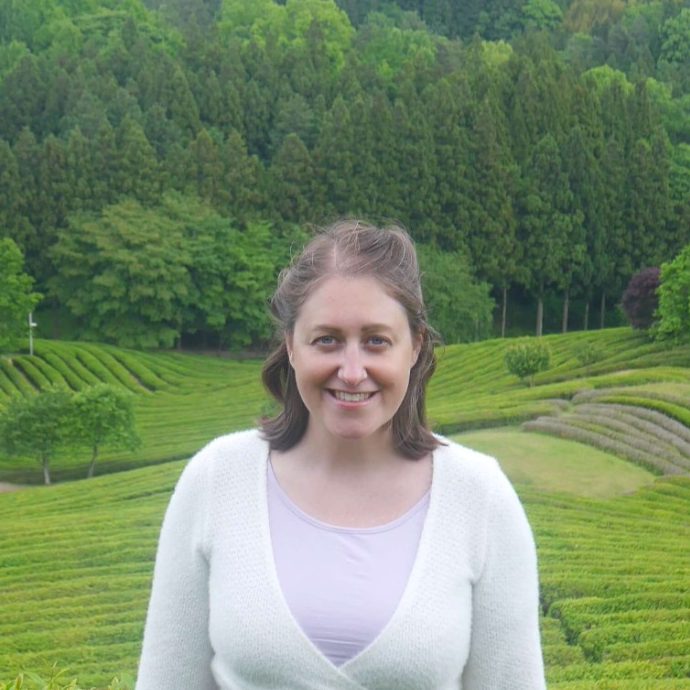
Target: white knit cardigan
(217, 619)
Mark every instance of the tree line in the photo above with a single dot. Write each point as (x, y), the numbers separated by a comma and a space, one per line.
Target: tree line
(165, 156)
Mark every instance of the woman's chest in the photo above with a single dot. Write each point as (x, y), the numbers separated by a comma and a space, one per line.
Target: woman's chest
(259, 643)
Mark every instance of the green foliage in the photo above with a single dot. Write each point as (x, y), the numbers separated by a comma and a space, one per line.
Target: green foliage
(57, 680)
(541, 15)
(589, 353)
(460, 308)
(526, 358)
(148, 275)
(123, 274)
(674, 299)
(16, 297)
(37, 426)
(103, 415)
(389, 47)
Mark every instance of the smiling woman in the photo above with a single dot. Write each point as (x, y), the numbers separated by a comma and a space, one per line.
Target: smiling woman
(344, 545)
(352, 359)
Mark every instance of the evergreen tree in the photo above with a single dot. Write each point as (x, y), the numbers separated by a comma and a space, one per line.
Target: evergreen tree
(27, 154)
(136, 167)
(492, 227)
(241, 194)
(10, 194)
(550, 226)
(451, 163)
(334, 158)
(291, 179)
(206, 174)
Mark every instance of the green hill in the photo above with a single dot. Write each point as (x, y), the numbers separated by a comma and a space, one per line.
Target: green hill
(76, 558)
(184, 400)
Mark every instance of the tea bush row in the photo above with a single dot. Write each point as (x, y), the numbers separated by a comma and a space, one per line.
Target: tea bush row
(600, 559)
(602, 442)
(630, 435)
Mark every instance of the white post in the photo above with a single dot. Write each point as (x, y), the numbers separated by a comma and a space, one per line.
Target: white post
(32, 325)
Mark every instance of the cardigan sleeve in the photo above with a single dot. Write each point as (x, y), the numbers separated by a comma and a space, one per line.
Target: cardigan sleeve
(505, 649)
(176, 651)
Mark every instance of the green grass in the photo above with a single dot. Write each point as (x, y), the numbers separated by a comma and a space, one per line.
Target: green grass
(556, 465)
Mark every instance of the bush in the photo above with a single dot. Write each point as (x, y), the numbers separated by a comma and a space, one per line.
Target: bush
(674, 299)
(640, 298)
(57, 681)
(526, 358)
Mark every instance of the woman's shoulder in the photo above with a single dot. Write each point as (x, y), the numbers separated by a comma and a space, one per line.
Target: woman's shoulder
(464, 458)
(229, 452)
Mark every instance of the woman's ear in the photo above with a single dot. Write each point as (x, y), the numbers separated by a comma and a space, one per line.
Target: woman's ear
(288, 346)
(417, 341)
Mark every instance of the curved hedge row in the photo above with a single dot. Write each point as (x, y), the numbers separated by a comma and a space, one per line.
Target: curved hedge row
(615, 578)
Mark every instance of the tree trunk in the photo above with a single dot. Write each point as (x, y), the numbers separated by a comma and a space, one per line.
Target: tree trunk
(540, 315)
(46, 471)
(586, 324)
(504, 312)
(602, 310)
(566, 310)
(92, 465)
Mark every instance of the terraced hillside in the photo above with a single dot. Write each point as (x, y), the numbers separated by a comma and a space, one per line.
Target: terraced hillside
(472, 387)
(76, 562)
(76, 558)
(184, 400)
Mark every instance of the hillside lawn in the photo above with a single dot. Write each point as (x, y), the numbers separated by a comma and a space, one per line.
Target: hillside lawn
(545, 463)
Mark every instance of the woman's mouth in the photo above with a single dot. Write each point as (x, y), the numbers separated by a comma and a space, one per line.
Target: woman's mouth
(351, 397)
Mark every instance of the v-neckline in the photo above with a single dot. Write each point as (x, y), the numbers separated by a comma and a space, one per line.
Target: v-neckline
(410, 592)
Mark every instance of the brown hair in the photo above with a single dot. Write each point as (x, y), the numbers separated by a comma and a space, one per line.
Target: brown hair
(352, 248)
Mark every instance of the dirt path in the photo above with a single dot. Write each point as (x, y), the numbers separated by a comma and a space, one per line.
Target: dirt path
(6, 487)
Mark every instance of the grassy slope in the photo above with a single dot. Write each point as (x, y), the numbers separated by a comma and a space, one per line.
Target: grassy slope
(557, 465)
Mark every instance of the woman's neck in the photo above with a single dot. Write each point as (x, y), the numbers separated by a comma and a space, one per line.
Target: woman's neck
(343, 456)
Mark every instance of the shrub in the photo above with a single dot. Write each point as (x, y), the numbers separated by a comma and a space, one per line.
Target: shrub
(640, 299)
(674, 299)
(588, 353)
(526, 358)
(57, 681)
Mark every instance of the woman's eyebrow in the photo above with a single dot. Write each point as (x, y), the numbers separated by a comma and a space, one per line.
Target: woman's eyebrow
(369, 328)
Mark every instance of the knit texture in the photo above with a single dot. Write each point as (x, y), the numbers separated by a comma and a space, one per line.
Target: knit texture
(217, 619)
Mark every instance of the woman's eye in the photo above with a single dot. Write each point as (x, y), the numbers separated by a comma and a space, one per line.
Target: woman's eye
(377, 341)
(324, 340)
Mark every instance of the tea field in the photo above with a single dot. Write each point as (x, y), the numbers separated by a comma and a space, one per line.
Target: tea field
(183, 400)
(612, 530)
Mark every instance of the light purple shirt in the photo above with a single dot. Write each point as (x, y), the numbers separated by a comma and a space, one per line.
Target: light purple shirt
(341, 584)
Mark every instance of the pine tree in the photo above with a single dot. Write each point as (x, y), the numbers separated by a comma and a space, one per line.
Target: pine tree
(136, 167)
(206, 174)
(334, 158)
(291, 178)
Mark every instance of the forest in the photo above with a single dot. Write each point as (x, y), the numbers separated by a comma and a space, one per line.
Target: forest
(160, 160)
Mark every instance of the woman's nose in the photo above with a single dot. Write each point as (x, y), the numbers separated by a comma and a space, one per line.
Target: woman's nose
(352, 370)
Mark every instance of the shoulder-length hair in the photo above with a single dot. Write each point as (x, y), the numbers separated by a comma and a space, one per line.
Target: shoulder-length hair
(352, 248)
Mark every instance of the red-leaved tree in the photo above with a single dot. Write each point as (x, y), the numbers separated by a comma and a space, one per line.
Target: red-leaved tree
(640, 300)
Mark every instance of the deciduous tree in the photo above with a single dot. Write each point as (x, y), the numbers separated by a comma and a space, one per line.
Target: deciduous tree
(16, 296)
(103, 415)
(37, 426)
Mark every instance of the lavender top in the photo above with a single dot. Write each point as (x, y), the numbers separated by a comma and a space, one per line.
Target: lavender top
(341, 584)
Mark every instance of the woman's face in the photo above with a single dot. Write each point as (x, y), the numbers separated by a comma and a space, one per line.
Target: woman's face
(352, 351)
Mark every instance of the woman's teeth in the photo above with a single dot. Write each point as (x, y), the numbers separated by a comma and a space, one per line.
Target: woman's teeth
(352, 397)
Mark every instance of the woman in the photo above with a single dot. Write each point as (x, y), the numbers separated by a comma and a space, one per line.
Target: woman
(344, 546)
